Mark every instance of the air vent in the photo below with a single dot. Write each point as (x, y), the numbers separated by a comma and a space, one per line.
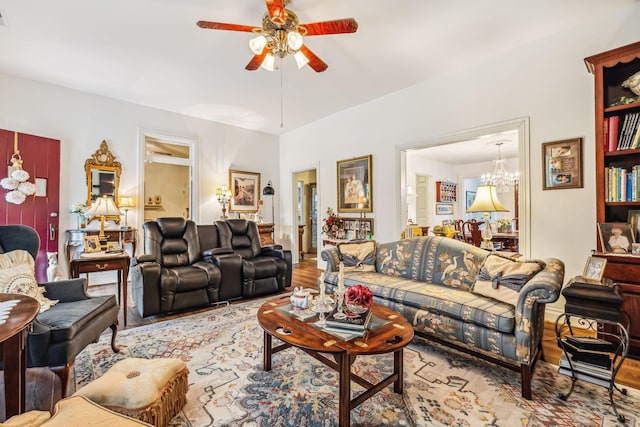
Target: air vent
(3, 18)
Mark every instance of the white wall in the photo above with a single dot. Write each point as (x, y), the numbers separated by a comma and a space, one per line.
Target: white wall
(546, 81)
(81, 121)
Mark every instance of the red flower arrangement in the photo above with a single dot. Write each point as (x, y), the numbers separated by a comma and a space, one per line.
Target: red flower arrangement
(359, 295)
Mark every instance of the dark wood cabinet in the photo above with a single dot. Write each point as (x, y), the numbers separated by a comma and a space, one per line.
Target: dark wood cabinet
(265, 230)
(610, 70)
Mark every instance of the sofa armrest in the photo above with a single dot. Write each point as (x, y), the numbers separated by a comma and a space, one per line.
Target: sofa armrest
(544, 287)
(142, 259)
(331, 255)
(66, 290)
(145, 284)
(208, 254)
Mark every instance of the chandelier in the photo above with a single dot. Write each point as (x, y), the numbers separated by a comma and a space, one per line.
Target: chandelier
(280, 39)
(500, 178)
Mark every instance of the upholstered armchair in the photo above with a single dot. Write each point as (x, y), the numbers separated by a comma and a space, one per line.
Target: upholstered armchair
(173, 275)
(60, 333)
(265, 270)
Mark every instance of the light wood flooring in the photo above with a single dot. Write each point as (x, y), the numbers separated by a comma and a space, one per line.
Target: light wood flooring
(43, 387)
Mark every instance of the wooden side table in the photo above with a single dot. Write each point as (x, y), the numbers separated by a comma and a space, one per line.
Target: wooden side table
(104, 262)
(13, 341)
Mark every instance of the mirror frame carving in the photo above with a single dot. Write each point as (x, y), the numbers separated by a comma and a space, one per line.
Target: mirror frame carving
(103, 160)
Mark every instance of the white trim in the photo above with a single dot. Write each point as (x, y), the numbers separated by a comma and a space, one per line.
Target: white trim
(192, 143)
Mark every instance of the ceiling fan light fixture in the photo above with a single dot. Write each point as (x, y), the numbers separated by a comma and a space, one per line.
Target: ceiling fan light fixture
(257, 44)
(269, 62)
(294, 39)
(301, 59)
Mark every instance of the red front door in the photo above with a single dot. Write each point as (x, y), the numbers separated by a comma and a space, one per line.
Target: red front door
(41, 159)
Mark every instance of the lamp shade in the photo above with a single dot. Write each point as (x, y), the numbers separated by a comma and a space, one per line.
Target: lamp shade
(486, 200)
(268, 190)
(126, 202)
(103, 206)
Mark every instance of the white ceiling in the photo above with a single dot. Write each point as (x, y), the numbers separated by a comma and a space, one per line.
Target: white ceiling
(151, 52)
(483, 149)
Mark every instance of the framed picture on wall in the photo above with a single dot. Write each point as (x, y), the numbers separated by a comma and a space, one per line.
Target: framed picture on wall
(244, 191)
(470, 197)
(444, 209)
(562, 164)
(355, 188)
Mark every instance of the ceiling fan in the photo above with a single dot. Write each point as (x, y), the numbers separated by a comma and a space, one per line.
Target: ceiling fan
(282, 35)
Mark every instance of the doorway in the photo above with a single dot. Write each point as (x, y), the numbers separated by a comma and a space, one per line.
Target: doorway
(452, 162)
(306, 206)
(167, 177)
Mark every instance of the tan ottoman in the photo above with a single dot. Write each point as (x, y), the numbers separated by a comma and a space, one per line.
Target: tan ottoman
(151, 390)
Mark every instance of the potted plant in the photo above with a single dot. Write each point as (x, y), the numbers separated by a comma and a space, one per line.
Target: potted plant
(504, 226)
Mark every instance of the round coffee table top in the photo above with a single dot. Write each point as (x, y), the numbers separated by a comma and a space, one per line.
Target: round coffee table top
(20, 315)
(394, 334)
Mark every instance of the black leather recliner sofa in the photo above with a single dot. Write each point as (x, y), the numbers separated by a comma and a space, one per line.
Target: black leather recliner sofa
(188, 266)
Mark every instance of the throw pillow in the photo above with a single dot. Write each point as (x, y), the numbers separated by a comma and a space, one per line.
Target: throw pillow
(502, 278)
(358, 255)
(17, 276)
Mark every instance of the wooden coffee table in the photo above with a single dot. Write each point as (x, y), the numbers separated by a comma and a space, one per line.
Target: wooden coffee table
(391, 337)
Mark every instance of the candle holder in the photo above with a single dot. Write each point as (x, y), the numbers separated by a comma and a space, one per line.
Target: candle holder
(323, 305)
(340, 314)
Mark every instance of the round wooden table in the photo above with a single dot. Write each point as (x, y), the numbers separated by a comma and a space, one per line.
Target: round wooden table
(13, 340)
(391, 337)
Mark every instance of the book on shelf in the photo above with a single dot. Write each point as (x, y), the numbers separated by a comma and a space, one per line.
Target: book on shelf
(585, 377)
(590, 343)
(613, 133)
(596, 358)
(585, 368)
(352, 322)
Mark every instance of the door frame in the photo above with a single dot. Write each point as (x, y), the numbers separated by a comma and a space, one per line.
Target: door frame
(294, 205)
(192, 143)
(521, 126)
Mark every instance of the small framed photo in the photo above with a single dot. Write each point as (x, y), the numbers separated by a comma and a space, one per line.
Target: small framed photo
(594, 268)
(113, 246)
(633, 218)
(444, 209)
(615, 237)
(92, 244)
(470, 197)
(562, 164)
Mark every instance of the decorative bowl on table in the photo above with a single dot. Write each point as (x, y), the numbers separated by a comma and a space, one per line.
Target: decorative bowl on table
(358, 299)
(356, 308)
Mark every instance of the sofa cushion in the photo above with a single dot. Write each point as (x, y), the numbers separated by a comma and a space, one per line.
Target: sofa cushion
(502, 278)
(17, 276)
(456, 303)
(358, 255)
(452, 263)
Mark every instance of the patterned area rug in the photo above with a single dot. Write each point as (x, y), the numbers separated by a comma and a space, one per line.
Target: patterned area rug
(227, 386)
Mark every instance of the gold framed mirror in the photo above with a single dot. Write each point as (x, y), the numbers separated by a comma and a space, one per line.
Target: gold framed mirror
(103, 176)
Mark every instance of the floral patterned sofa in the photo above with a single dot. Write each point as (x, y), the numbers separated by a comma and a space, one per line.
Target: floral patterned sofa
(435, 282)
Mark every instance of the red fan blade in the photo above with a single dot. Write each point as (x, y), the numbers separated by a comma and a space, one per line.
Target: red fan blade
(314, 62)
(230, 27)
(276, 10)
(256, 61)
(339, 26)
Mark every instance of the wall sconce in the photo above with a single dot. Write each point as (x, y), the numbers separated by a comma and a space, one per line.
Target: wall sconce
(224, 197)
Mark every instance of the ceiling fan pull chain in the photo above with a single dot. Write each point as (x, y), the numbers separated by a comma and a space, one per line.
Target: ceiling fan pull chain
(281, 97)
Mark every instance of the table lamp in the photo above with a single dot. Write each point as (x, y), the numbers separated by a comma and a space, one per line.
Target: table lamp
(486, 201)
(103, 206)
(125, 204)
(224, 197)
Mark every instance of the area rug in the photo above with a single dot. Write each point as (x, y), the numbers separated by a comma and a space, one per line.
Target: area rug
(227, 386)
